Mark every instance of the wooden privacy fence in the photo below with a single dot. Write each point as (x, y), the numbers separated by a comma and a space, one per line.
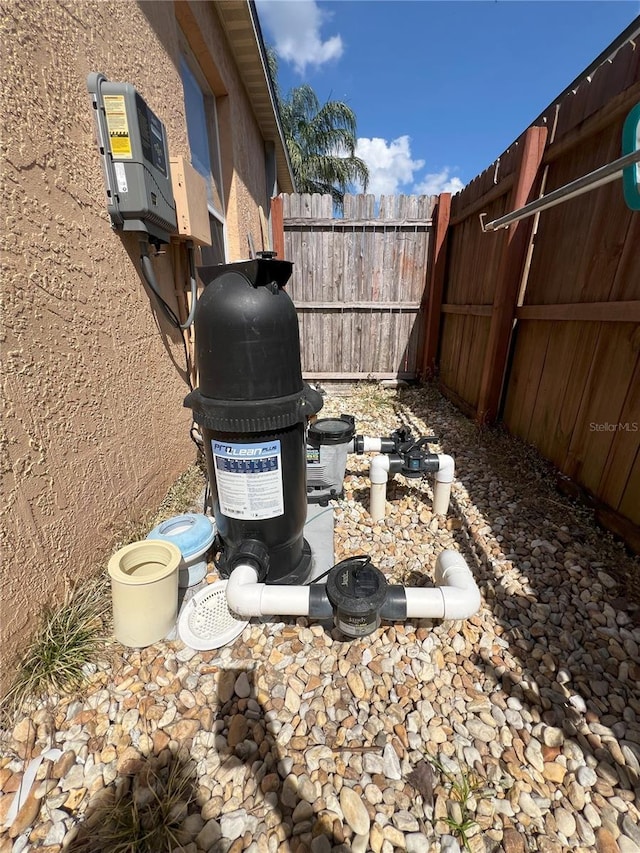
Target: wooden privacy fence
(358, 282)
(538, 324)
(541, 322)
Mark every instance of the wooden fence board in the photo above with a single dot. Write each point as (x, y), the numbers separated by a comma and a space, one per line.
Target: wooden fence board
(625, 446)
(573, 306)
(603, 399)
(584, 340)
(359, 281)
(630, 503)
(626, 281)
(574, 356)
(545, 430)
(529, 360)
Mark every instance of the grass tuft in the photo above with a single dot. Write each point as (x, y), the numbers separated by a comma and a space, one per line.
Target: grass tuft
(142, 813)
(462, 789)
(69, 637)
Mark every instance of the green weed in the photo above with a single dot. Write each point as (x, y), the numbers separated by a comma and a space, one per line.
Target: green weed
(69, 636)
(462, 789)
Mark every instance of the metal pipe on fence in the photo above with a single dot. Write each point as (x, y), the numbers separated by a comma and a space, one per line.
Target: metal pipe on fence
(591, 181)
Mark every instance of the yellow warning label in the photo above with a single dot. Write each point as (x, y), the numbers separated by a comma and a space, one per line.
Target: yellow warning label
(118, 126)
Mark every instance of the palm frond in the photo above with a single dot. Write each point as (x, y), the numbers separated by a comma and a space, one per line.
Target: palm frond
(321, 141)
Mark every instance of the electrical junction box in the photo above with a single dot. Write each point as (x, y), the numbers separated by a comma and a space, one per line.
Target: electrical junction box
(135, 159)
(192, 211)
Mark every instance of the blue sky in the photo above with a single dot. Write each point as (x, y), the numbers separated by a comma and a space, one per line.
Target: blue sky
(439, 89)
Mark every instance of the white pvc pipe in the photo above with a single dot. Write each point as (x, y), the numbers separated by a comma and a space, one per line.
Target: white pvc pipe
(247, 597)
(456, 596)
(442, 485)
(369, 445)
(458, 586)
(378, 474)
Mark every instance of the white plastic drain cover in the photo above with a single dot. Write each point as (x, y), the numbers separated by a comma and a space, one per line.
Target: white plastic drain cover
(206, 621)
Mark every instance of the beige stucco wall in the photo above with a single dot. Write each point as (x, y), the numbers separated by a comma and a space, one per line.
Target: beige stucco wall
(94, 430)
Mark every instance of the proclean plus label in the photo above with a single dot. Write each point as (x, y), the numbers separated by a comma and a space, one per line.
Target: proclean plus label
(249, 479)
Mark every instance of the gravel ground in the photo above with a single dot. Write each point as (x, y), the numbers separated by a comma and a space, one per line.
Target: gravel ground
(300, 741)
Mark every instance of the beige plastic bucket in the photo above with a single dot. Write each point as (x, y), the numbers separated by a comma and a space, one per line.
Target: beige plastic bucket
(144, 589)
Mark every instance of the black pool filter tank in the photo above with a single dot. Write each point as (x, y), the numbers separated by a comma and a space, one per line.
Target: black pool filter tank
(252, 407)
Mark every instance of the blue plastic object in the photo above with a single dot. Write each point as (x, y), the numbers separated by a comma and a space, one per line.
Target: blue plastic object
(631, 142)
(193, 534)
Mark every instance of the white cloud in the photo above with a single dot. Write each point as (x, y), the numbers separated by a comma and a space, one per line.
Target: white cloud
(393, 170)
(294, 26)
(390, 164)
(438, 182)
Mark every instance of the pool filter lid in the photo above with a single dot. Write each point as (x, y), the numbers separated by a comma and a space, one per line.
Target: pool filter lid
(192, 532)
(332, 430)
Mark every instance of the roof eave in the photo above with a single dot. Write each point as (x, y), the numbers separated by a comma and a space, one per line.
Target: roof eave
(239, 19)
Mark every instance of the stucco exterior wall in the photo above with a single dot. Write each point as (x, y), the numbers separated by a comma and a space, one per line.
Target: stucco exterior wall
(94, 431)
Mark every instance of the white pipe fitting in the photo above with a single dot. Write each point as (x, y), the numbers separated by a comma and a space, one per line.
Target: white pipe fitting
(369, 445)
(247, 597)
(456, 596)
(378, 474)
(457, 584)
(442, 485)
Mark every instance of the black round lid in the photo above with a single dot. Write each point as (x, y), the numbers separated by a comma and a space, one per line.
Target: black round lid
(333, 430)
(356, 586)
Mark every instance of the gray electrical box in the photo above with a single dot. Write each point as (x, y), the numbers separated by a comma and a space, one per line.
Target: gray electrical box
(135, 159)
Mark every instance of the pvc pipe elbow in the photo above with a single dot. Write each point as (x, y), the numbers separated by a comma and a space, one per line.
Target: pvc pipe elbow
(244, 592)
(379, 469)
(459, 590)
(247, 597)
(460, 604)
(446, 469)
(451, 568)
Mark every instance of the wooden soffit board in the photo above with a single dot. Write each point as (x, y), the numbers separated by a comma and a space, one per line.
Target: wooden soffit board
(239, 20)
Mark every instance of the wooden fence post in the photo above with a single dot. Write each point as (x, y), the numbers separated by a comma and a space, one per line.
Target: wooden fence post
(512, 260)
(277, 226)
(442, 214)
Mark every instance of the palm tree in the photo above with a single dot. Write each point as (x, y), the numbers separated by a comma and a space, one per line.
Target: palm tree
(321, 141)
